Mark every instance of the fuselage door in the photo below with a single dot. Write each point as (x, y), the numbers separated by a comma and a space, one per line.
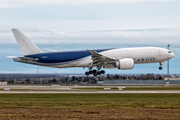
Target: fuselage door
(159, 53)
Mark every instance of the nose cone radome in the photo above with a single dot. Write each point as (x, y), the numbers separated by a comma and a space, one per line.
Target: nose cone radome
(171, 55)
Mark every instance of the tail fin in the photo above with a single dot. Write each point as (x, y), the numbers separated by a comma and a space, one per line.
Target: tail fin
(26, 46)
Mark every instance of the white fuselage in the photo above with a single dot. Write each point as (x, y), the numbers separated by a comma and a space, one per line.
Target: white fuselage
(139, 55)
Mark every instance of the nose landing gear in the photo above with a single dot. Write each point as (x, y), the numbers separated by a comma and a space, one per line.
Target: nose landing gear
(160, 68)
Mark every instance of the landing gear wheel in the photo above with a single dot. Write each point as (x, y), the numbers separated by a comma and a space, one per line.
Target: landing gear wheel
(86, 73)
(98, 72)
(95, 74)
(161, 63)
(94, 71)
(160, 68)
(102, 71)
(90, 72)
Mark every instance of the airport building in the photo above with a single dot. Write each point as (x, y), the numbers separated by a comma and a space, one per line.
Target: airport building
(3, 83)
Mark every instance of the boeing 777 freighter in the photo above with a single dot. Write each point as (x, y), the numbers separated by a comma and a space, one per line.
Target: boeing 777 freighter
(121, 58)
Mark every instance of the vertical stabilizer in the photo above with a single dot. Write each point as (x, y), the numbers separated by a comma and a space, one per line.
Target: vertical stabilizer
(26, 46)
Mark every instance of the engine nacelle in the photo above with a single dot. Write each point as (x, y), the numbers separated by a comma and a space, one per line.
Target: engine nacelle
(125, 64)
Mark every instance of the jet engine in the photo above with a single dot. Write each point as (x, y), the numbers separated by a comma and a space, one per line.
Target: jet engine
(125, 64)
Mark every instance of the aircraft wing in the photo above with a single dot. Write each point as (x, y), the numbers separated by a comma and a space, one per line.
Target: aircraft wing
(99, 60)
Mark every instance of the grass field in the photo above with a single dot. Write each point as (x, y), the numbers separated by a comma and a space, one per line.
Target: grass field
(89, 106)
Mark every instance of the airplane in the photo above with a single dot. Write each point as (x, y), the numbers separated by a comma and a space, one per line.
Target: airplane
(121, 58)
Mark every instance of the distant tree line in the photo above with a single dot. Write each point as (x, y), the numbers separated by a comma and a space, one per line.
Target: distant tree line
(134, 77)
(84, 79)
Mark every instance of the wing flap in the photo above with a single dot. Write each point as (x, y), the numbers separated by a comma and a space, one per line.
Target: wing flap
(99, 59)
(95, 55)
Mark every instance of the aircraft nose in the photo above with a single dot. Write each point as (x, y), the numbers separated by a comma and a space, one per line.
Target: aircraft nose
(171, 55)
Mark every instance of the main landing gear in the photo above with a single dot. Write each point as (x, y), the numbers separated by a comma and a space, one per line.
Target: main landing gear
(160, 68)
(95, 72)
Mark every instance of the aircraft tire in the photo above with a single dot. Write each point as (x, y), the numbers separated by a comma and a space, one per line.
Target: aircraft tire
(94, 71)
(95, 74)
(160, 68)
(86, 73)
(102, 71)
(98, 72)
(90, 72)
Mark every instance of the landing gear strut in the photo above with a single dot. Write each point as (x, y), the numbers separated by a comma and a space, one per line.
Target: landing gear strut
(160, 68)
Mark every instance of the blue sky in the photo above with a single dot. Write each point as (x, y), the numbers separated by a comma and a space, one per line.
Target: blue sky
(81, 24)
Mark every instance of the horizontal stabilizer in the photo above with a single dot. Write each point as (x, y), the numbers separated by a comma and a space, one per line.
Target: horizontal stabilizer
(12, 56)
(25, 58)
(28, 58)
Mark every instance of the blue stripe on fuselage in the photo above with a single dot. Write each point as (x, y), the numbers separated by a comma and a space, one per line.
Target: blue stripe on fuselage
(58, 57)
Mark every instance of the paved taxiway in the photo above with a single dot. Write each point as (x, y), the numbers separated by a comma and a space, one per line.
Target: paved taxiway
(70, 89)
(158, 91)
(50, 87)
(61, 87)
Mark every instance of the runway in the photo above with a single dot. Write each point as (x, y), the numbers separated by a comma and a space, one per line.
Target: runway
(58, 87)
(82, 91)
(74, 89)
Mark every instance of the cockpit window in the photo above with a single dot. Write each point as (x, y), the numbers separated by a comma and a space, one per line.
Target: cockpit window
(169, 51)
